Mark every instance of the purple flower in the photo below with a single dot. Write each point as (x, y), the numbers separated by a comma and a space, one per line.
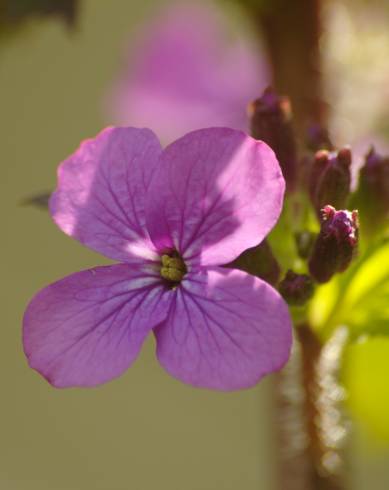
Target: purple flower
(186, 73)
(172, 217)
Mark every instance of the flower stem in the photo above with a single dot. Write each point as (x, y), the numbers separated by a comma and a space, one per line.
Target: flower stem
(311, 427)
(309, 421)
(292, 35)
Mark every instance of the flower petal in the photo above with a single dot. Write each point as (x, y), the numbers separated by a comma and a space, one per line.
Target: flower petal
(101, 192)
(225, 330)
(88, 328)
(215, 193)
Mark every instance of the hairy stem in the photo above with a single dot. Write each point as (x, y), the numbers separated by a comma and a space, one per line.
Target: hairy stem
(311, 427)
(309, 420)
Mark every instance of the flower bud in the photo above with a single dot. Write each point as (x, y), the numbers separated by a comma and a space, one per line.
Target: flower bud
(318, 138)
(271, 122)
(258, 261)
(330, 179)
(372, 196)
(335, 245)
(296, 289)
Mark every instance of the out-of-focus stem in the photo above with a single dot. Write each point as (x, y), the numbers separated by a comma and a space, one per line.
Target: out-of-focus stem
(291, 436)
(311, 428)
(309, 420)
(292, 33)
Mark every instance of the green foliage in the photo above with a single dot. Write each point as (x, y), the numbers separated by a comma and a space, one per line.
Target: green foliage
(358, 298)
(365, 377)
(296, 217)
(281, 239)
(368, 296)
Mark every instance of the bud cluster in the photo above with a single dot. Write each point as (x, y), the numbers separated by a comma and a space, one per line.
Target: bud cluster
(326, 178)
(335, 245)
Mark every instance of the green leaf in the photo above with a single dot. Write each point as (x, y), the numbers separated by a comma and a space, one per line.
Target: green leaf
(358, 298)
(365, 377)
(366, 302)
(324, 304)
(281, 240)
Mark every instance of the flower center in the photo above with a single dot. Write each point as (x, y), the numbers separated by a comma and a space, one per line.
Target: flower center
(173, 268)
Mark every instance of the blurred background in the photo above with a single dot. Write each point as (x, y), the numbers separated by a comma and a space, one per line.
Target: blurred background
(66, 72)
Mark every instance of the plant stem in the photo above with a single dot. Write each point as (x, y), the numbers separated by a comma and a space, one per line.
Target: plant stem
(292, 34)
(310, 424)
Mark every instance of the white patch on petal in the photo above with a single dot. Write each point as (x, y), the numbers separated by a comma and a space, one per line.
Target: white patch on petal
(189, 252)
(140, 283)
(143, 250)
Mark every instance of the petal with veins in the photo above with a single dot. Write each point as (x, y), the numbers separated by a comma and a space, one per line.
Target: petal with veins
(101, 191)
(225, 330)
(216, 192)
(88, 328)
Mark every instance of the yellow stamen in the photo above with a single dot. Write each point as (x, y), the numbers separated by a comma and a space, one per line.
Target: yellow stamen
(173, 268)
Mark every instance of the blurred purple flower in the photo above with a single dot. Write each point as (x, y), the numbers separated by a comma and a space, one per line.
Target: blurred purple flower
(187, 73)
(172, 217)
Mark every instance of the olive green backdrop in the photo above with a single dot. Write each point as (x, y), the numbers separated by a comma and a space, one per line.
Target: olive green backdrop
(144, 430)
